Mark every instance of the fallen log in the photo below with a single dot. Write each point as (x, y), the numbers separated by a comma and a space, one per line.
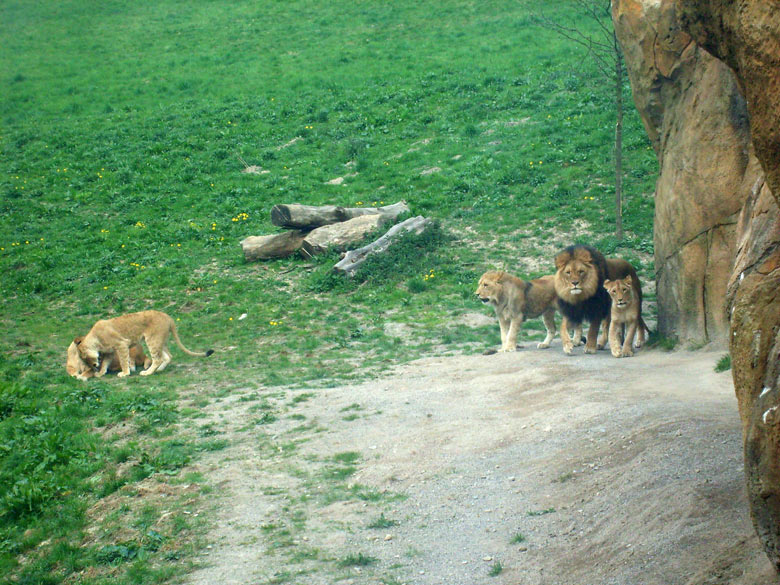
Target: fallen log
(342, 234)
(274, 246)
(354, 258)
(308, 217)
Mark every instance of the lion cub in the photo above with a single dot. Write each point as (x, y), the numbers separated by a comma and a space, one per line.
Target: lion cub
(516, 300)
(118, 334)
(75, 366)
(626, 313)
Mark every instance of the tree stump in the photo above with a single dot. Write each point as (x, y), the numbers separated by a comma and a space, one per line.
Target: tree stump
(308, 217)
(273, 246)
(354, 258)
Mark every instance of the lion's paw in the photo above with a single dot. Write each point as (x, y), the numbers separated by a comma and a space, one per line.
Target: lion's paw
(542, 345)
(122, 374)
(617, 353)
(628, 353)
(590, 349)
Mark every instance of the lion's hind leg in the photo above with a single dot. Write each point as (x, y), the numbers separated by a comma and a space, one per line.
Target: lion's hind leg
(578, 335)
(157, 352)
(549, 323)
(593, 332)
(605, 327)
(642, 328)
(166, 359)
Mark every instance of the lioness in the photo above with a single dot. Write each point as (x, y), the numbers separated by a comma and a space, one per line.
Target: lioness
(516, 300)
(118, 334)
(626, 313)
(75, 366)
(579, 285)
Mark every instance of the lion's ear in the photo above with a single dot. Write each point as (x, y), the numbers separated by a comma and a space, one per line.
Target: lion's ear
(78, 340)
(561, 259)
(627, 279)
(607, 283)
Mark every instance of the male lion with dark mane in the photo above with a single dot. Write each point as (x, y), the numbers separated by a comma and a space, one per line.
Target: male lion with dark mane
(579, 285)
(515, 300)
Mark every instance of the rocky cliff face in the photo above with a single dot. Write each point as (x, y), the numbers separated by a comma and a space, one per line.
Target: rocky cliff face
(746, 36)
(706, 80)
(697, 121)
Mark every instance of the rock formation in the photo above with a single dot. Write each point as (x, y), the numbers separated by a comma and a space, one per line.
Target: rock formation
(706, 80)
(697, 122)
(746, 36)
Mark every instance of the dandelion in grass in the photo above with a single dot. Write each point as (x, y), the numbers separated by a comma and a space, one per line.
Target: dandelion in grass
(140, 224)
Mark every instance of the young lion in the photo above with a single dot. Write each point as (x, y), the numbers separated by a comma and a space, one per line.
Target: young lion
(75, 366)
(579, 279)
(515, 300)
(118, 334)
(626, 313)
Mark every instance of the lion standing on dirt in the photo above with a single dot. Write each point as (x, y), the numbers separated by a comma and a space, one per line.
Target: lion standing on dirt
(118, 334)
(626, 313)
(516, 300)
(579, 284)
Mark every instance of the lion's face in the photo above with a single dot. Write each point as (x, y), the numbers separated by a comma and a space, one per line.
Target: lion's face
(577, 278)
(621, 291)
(89, 356)
(490, 289)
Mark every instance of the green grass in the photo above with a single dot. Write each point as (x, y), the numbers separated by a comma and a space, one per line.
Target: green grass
(723, 364)
(124, 127)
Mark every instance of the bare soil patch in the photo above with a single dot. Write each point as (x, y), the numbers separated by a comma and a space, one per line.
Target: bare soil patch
(529, 468)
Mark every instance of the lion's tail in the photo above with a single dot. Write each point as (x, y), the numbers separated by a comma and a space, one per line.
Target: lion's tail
(184, 349)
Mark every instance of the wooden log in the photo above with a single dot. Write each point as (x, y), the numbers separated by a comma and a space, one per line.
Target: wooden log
(308, 217)
(354, 258)
(274, 246)
(341, 235)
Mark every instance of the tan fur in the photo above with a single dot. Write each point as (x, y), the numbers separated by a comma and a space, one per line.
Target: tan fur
(625, 313)
(76, 367)
(118, 334)
(515, 300)
(576, 277)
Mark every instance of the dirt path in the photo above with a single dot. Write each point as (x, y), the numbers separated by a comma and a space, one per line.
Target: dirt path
(526, 468)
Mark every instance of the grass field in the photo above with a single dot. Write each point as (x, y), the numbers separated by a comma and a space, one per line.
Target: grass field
(124, 131)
